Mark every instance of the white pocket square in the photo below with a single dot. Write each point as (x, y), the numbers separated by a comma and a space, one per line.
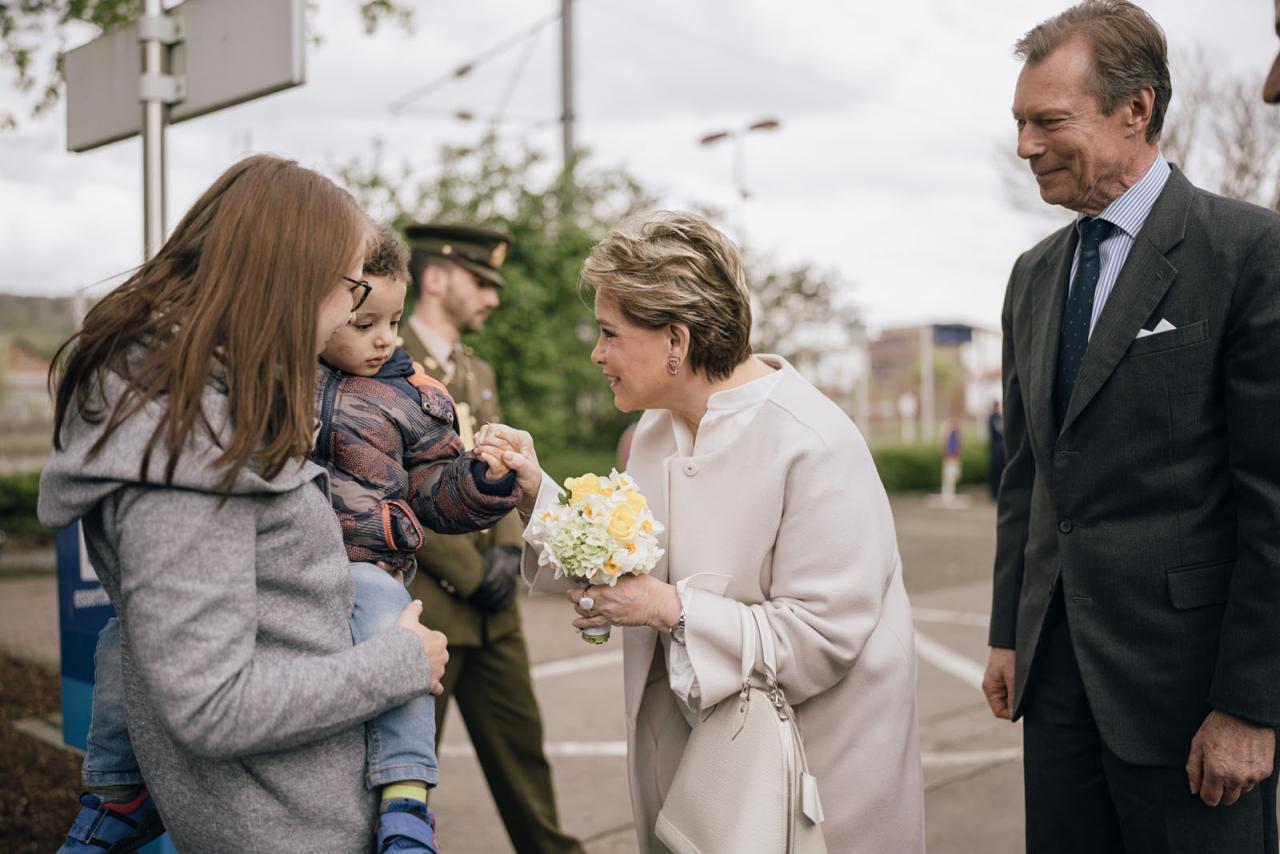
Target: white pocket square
(1162, 326)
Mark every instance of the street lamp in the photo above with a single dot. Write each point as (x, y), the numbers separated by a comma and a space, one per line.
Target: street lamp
(736, 136)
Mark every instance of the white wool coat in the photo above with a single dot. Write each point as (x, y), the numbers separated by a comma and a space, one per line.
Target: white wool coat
(789, 517)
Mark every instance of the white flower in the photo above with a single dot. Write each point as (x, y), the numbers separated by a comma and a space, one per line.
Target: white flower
(576, 538)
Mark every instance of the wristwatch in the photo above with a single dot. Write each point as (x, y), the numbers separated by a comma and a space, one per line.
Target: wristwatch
(677, 631)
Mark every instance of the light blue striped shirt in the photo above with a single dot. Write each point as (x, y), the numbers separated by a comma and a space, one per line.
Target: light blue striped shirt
(1128, 213)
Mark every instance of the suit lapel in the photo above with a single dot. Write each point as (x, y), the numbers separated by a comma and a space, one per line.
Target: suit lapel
(1049, 282)
(1142, 283)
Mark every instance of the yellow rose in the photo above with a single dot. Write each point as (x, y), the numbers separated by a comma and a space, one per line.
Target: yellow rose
(580, 488)
(622, 523)
(636, 502)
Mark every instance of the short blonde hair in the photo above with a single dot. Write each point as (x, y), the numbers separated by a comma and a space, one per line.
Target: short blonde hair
(672, 267)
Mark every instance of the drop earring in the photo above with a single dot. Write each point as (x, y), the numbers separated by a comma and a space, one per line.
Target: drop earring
(673, 366)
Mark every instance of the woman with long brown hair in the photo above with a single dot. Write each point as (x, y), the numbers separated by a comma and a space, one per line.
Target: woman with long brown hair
(183, 423)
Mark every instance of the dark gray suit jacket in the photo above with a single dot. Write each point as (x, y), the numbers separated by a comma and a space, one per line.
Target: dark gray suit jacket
(1157, 507)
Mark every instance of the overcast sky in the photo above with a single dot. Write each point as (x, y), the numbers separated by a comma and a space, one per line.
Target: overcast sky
(887, 169)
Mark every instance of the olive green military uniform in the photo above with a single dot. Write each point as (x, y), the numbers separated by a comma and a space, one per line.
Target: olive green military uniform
(488, 671)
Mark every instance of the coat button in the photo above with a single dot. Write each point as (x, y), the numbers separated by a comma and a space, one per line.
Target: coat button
(691, 468)
(1065, 526)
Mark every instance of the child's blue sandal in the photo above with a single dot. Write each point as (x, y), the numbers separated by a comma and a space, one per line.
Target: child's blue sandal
(406, 825)
(113, 828)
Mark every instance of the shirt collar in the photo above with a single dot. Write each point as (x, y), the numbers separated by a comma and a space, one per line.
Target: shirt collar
(747, 394)
(437, 345)
(1129, 212)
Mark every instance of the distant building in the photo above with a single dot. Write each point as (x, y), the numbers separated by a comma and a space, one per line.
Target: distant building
(908, 402)
(24, 393)
(834, 357)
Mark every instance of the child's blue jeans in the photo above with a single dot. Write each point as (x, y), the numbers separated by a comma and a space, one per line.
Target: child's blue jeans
(400, 742)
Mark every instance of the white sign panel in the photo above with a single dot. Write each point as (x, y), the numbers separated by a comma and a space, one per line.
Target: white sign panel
(230, 51)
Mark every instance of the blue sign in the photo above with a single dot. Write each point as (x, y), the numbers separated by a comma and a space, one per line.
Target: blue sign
(83, 609)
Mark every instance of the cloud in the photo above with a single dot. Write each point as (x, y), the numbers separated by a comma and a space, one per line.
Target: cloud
(886, 168)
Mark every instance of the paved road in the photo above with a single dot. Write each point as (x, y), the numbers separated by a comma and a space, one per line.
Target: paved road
(972, 774)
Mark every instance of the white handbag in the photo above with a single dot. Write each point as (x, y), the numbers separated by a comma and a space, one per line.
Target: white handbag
(743, 783)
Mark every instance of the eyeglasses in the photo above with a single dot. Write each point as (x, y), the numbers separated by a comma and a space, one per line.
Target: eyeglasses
(359, 291)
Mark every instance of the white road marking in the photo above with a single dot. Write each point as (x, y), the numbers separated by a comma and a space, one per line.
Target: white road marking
(613, 749)
(618, 750)
(949, 661)
(950, 759)
(956, 618)
(577, 664)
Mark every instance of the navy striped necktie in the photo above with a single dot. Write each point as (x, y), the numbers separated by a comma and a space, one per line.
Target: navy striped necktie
(1074, 336)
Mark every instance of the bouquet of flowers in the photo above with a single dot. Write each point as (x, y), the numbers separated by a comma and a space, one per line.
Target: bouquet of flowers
(603, 531)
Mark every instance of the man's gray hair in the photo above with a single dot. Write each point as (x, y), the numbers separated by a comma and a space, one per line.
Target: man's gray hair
(1129, 52)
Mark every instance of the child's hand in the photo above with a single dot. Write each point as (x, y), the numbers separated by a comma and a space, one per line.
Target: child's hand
(514, 448)
(492, 457)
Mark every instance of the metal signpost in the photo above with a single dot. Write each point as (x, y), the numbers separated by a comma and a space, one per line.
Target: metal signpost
(195, 58)
(166, 67)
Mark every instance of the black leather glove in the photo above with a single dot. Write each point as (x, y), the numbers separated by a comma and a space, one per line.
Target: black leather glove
(498, 587)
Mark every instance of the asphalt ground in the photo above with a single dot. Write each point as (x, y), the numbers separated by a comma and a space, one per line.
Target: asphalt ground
(973, 777)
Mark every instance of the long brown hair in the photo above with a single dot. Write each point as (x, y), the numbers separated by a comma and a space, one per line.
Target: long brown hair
(238, 283)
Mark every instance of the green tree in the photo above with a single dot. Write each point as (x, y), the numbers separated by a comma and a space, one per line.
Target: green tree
(35, 34)
(540, 339)
(790, 303)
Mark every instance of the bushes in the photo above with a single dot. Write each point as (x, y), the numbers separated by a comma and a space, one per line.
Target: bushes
(901, 467)
(919, 467)
(18, 508)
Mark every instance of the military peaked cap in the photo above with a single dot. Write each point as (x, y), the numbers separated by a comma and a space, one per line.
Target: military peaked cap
(481, 251)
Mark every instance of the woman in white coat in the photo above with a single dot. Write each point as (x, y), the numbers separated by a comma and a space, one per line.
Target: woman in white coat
(770, 498)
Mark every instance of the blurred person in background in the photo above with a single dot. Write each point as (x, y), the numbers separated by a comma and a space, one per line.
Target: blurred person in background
(950, 461)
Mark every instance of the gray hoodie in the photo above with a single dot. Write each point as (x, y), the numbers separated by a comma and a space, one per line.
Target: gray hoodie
(245, 695)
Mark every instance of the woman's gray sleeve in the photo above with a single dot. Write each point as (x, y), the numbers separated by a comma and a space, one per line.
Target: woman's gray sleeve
(190, 614)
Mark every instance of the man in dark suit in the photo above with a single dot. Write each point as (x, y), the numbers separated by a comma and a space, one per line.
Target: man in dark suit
(468, 582)
(1135, 623)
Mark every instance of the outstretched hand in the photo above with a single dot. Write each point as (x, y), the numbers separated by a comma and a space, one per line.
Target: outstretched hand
(500, 445)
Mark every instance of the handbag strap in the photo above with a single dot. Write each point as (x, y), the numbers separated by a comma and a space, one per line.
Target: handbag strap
(770, 654)
(748, 645)
(810, 804)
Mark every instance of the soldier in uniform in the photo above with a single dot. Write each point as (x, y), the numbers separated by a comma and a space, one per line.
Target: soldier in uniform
(467, 583)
